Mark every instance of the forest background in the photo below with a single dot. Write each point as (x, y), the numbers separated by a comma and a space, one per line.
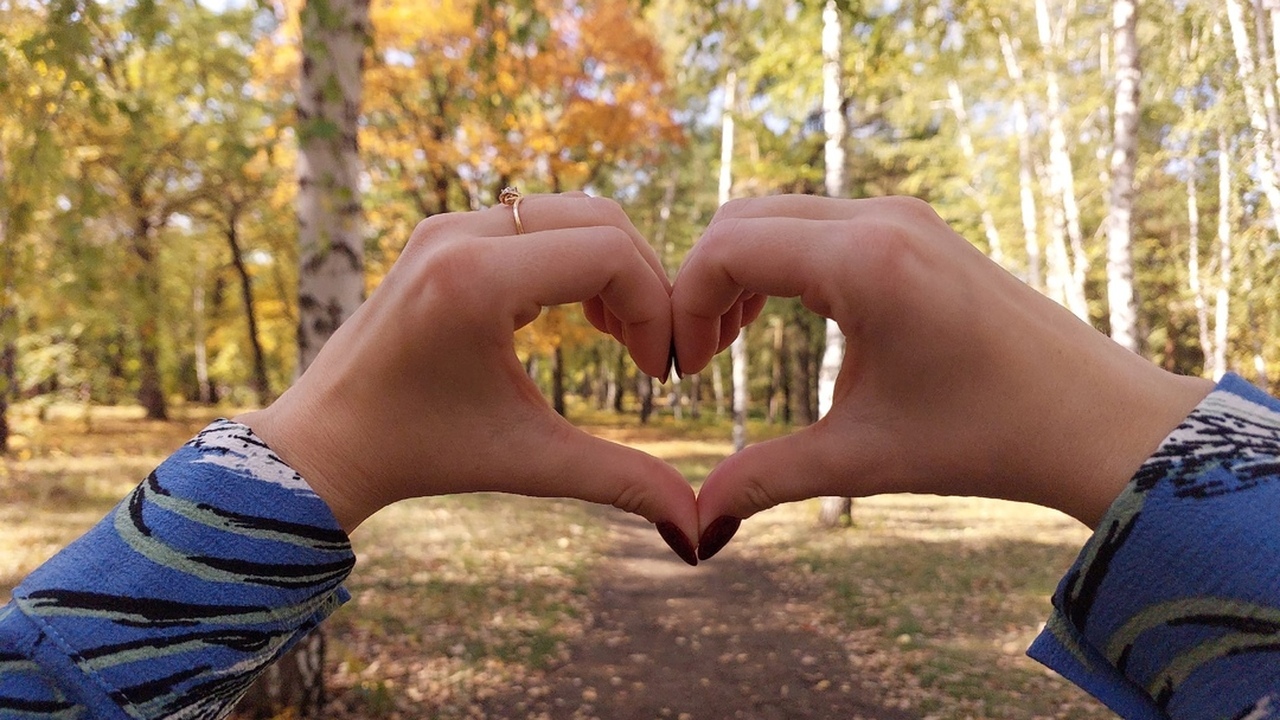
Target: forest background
(194, 193)
(149, 240)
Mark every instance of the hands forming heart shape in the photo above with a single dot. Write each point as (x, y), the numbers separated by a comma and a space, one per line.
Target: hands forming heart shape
(958, 379)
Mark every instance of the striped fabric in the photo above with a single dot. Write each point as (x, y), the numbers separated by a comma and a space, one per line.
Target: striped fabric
(1172, 610)
(209, 570)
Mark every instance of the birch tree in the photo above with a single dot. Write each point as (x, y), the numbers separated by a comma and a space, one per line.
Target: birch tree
(1061, 174)
(335, 34)
(331, 259)
(1222, 305)
(835, 510)
(738, 350)
(1263, 133)
(1124, 159)
(1026, 161)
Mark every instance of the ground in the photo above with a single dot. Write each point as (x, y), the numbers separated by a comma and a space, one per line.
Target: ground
(727, 639)
(491, 606)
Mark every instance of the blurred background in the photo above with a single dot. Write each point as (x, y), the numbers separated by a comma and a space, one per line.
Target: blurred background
(194, 193)
(149, 151)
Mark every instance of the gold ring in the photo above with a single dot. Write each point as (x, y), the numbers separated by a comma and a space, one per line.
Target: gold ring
(511, 197)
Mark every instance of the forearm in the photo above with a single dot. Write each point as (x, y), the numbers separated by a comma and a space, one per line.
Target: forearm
(218, 562)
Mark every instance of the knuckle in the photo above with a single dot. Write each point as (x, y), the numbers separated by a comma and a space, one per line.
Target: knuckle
(757, 495)
(454, 271)
(435, 228)
(735, 208)
(629, 499)
(609, 211)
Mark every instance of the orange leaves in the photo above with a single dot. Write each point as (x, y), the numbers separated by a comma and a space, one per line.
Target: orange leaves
(549, 100)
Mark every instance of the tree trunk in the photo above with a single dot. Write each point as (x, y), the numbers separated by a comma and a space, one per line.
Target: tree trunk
(8, 316)
(738, 350)
(1222, 310)
(1061, 174)
(835, 510)
(204, 388)
(675, 398)
(644, 391)
(1193, 267)
(1266, 80)
(1121, 299)
(717, 387)
(1026, 167)
(331, 274)
(695, 396)
(1263, 144)
(777, 372)
(149, 307)
(261, 383)
(557, 380)
(995, 246)
(335, 34)
(802, 383)
(617, 382)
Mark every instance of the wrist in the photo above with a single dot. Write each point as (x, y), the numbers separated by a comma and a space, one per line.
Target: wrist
(1129, 431)
(313, 452)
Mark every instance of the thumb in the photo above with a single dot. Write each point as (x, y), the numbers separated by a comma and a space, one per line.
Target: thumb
(578, 465)
(812, 462)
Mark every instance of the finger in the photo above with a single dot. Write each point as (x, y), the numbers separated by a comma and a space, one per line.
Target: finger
(593, 311)
(730, 326)
(752, 307)
(570, 210)
(813, 462)
(780, 257)
(561, 266)
(563, 461)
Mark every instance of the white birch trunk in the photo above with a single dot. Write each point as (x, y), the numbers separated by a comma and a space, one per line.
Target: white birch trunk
(1273, 9)
(330, 252)
(1124, 159)
(1061, 174)
(1266, 80)
(331, 255)
(1262, 134)
(1026, 166)
(1222, 309)
(738, 350)
(995, 247)
(1195, 281)
(834, 510)
(1057, 267)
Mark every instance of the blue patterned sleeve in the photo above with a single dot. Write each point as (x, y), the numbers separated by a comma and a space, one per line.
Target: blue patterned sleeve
(206, 573)
(1172, 609)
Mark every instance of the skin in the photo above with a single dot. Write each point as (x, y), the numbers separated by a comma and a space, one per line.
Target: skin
(958, 379)
(421, 393)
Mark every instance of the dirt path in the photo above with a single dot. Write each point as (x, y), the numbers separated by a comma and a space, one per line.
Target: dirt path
(722, 640)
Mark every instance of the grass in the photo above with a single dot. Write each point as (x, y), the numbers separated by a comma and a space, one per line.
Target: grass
(453, 598)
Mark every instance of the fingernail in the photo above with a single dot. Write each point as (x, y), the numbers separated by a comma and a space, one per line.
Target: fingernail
(717, 535)
(678, 542)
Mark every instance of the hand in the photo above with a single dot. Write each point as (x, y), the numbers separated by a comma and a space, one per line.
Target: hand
(420, 392)
(958, 379)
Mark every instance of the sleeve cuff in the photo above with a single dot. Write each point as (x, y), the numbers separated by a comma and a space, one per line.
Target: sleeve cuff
(208, 571)
(1172, 609)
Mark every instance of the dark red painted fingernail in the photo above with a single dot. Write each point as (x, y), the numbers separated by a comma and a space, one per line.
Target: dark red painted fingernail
(678, 542)
(717, 535)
